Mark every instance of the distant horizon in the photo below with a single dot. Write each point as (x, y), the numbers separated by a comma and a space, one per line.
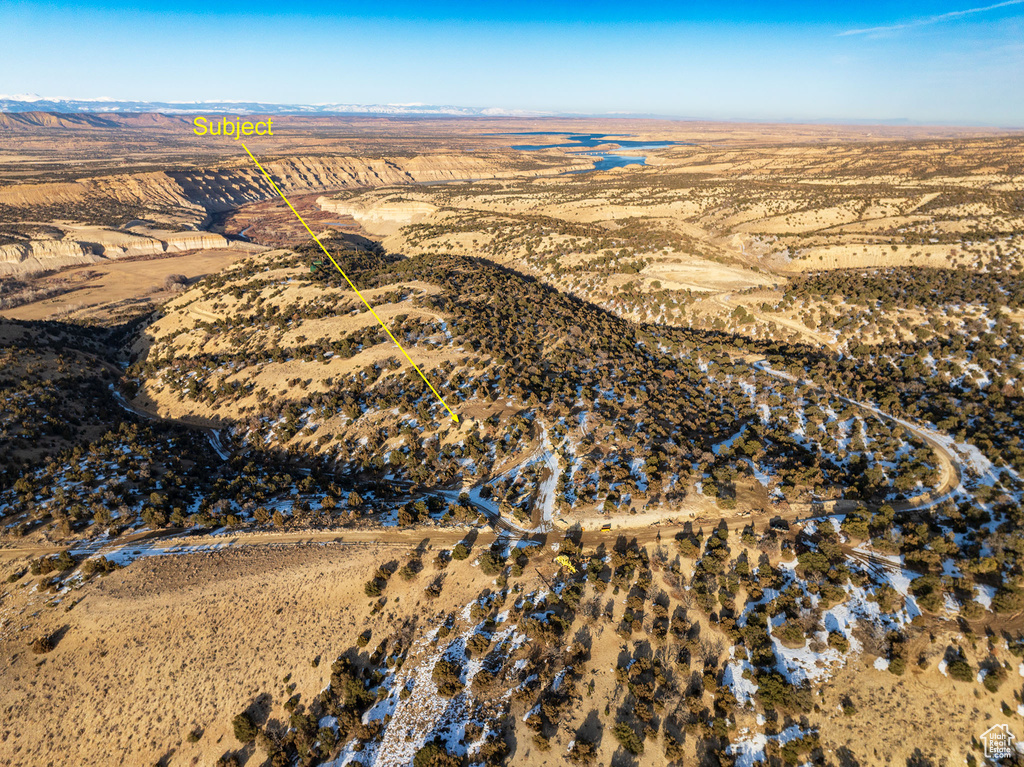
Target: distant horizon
(424, 109)
(928, 62)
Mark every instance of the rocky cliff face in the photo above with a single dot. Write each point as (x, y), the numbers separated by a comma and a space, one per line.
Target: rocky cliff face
(221, 189)
(379, 216)
(94, 245)
(27, 257)
(185, 199)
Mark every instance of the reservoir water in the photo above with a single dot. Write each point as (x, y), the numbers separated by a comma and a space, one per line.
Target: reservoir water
(605, 159)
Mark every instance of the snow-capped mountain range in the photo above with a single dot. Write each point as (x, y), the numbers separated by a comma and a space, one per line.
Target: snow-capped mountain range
(32, 103)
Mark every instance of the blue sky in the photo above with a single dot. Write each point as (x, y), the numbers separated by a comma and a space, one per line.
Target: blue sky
(928, 62)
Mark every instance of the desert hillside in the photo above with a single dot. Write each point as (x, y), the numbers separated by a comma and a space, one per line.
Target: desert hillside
(382, 652)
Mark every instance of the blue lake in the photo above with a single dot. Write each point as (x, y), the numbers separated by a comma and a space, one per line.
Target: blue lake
(605, 159)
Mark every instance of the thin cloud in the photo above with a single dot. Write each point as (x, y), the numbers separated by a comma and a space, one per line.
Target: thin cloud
(929, 19)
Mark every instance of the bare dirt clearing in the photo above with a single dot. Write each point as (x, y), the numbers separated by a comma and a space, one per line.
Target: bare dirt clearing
(107, 288)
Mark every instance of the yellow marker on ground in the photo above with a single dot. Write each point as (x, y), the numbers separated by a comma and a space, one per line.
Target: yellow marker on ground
(565, 562)
(351, 285)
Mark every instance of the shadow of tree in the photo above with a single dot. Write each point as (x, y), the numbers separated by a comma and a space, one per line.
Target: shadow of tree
(622, 758)
(592, 729)
(846, 758)
(918, 759)
(59, 634)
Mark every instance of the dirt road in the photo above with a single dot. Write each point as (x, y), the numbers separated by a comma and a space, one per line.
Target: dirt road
(725, 300)
(951, 468)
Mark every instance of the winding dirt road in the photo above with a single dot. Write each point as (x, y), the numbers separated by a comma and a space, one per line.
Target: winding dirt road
(951, 468)
(725, 300)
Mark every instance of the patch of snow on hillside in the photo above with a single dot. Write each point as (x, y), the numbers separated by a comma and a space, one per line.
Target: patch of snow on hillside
(984, 594)
(743, 689)
(425, 714)
(750, 748)
(802, 664)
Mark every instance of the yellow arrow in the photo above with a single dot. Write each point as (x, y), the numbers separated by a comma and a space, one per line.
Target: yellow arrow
(566, 563)
(351, 285)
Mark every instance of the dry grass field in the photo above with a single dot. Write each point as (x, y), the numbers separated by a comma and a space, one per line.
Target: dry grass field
(111, 289)
(175, 643)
